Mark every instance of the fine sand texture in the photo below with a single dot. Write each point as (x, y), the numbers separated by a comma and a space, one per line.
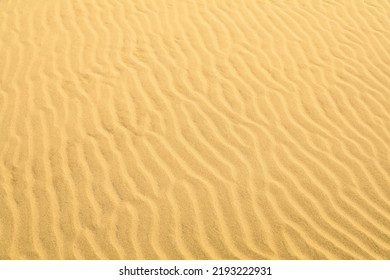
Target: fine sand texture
(194, 129)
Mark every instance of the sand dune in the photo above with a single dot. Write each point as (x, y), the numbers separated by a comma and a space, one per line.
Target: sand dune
(203, 129)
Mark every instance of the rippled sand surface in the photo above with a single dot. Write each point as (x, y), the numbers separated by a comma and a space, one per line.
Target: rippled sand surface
(207, 129)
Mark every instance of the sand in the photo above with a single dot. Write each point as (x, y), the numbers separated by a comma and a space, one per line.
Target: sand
(207, 129)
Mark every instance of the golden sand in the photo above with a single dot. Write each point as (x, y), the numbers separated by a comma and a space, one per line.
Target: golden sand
(203, 129)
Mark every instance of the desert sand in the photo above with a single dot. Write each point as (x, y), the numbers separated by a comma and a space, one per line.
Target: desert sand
(194, 129)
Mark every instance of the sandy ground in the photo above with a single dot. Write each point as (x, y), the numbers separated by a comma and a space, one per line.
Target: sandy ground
(207, 129)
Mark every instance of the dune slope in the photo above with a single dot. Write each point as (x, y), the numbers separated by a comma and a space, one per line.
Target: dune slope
(194, 129)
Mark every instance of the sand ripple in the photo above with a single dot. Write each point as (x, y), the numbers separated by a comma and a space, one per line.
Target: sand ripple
(205, 129)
